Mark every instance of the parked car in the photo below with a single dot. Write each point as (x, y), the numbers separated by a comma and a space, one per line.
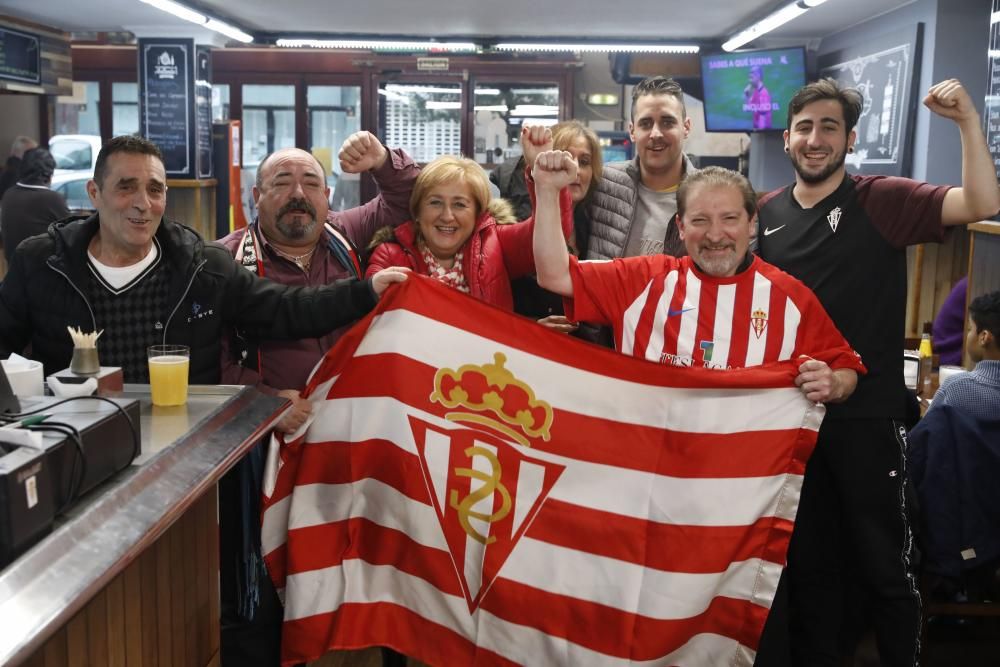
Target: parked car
(75, 153)
(72, 186)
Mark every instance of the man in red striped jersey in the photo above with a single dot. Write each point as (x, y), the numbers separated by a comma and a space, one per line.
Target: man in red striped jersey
(721, 307)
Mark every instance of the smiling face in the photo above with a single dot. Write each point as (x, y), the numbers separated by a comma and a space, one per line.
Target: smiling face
(130, 203)
(658, 130)
(817, 142)
(446, 217)
(579, 148)
(292, 198)
(716, 228)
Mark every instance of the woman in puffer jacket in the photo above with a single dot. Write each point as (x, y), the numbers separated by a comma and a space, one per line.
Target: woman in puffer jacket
(460, 236)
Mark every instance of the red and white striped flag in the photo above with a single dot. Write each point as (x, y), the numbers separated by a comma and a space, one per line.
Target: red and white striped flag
(476, 490)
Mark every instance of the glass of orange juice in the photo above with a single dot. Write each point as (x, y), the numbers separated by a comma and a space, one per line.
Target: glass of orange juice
(168, 373)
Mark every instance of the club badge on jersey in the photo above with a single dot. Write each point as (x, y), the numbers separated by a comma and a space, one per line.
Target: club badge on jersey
(834, 218)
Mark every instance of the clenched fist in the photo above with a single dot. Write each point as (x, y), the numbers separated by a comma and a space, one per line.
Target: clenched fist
(361, 152)
(554, 170)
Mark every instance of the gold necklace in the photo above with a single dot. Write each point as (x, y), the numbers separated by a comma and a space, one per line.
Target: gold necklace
(302, 261)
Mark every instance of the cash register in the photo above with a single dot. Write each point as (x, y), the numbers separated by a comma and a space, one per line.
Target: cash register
(52, 451)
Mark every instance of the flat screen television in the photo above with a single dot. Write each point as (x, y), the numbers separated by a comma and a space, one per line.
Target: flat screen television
(748, 91)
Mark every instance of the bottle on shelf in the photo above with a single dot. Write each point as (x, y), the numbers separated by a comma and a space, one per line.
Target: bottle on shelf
(926, 381)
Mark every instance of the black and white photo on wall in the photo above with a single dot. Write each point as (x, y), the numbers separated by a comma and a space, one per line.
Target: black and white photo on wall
(885, 69)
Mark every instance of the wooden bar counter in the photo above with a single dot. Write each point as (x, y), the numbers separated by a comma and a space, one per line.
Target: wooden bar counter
(130, 575)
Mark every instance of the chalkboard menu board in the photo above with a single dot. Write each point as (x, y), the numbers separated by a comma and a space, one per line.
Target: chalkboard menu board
(203, 111)
(20, 56)
(166, 101)
(884, 69)
(991, 117)
(175, 104)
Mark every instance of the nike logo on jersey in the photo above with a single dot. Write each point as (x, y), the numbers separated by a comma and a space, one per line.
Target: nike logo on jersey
(671, 312)
(768, 231)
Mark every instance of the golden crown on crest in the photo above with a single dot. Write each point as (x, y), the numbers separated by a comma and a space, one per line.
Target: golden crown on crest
(492, 389)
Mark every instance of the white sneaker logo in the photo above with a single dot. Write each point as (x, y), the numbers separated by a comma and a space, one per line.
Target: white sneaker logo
(768, 232)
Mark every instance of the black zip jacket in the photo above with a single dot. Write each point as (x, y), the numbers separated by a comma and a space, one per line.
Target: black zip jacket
(45, 291)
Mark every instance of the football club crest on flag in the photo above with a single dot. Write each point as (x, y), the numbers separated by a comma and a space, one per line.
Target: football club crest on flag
(474, 489)
(834, 218)
(759, 321)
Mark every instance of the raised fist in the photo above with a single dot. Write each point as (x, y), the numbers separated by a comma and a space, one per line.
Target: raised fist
(360, 152)
(534, 140)
(554, 169)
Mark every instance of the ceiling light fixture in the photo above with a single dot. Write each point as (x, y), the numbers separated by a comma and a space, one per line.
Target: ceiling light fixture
(770, 22)
(378, 45)
(597, 47)
(188, 14)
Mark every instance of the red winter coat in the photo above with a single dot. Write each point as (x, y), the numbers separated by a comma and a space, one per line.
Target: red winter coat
(494, 254)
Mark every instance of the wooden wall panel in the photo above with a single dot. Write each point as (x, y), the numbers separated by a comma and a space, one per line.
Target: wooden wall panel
(161, 611)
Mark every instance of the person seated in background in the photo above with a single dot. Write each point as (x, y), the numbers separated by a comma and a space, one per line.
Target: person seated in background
(297, 240)
(954, 461)
(719, 307)
(948, 330)
(29, 207)
(461, 236)
(582, 143)
(11, 168)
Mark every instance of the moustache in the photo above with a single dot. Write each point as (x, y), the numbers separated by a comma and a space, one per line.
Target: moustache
(297, 205)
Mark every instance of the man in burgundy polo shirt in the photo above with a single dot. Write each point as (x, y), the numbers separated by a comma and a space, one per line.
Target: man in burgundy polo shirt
(297, 240)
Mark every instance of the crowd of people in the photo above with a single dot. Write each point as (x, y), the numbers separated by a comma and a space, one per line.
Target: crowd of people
(666, 262)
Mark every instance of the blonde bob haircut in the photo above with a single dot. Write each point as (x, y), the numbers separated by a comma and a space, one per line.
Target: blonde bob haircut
(568, 131)
(446, 169)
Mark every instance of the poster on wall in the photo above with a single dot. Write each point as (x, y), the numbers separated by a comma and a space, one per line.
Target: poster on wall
(20, 56)
(885, 70)
(166, 101)
(991, 115)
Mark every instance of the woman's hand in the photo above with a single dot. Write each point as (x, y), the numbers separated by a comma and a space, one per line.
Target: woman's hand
(534, 140)
(559, 323)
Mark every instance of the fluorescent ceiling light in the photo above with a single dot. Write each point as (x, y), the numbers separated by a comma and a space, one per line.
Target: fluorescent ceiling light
(812, 3)
(438, 104)
(535, 110)
(416, 88)
(182, 12)
(178, 10)
(766, 25)
(499, 108)
(228, 30)
(378, 45)
(487, 91)
(603, 48)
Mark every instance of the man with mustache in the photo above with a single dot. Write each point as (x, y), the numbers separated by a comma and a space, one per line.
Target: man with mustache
(635, 201)
(297, 240)
(719, 307)
(845, 237)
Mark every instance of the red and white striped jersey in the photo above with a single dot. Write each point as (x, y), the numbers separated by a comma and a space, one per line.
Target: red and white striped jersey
(665, 309)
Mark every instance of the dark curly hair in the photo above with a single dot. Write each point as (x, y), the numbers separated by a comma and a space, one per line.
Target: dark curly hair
(851, 101)
(985, 313)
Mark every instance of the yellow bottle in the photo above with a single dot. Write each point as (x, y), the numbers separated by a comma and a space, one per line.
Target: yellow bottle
(926, 364)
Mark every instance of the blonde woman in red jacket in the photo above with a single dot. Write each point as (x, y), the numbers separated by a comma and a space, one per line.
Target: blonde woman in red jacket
(462, 237)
